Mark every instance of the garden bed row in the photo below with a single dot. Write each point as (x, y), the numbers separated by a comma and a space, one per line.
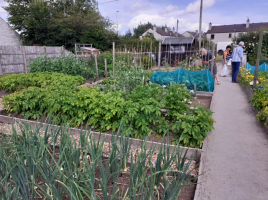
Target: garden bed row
(205, 99)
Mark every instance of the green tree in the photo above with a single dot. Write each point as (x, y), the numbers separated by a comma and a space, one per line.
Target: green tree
(128, 33)
(59, 23)
(142, 28)
(251, 39)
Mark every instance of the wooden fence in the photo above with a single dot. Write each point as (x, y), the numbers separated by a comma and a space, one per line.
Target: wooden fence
(16, 59)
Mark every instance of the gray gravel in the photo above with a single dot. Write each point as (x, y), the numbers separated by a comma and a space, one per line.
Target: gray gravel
(235, 157)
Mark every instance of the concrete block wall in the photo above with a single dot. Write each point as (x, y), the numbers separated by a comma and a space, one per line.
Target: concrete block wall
(8, 37)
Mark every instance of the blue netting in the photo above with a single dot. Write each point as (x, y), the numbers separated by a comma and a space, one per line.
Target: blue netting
(263, 67)
(203, 79)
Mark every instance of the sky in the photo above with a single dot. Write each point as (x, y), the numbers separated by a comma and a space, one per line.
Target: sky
(166, 12)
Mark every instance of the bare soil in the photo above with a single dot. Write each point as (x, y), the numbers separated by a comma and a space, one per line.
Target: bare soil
(205, 102)
(3, 93)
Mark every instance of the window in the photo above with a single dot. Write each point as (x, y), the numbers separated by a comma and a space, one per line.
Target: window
(239, 34)
(177, 49)
(230, 35)
(212, 36)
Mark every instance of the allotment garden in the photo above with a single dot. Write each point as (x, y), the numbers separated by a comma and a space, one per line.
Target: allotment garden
(53, 165)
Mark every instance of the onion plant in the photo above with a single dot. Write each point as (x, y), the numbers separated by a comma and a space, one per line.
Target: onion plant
(50, 163)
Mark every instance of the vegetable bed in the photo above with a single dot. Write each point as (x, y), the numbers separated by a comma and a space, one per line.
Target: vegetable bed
(139, 109)
(48, 170)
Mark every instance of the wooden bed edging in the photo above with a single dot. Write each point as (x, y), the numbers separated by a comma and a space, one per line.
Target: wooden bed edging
(103, 136)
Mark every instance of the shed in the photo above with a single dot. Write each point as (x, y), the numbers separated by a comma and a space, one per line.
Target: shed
(177, 48)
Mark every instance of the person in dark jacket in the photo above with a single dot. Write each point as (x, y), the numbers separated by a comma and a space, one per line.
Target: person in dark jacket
(207, 59)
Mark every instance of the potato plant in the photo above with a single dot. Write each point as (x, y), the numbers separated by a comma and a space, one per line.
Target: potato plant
(14, 82)
(140, 108)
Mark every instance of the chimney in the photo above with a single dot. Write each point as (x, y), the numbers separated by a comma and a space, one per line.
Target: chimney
(247, 25)
(166, 29)
(154, 28)
(210, 26)
(174, 30)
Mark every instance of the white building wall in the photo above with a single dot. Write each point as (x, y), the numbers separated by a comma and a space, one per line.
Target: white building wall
(8, 37)
(221, 37)
(156, 35)
(187, 34)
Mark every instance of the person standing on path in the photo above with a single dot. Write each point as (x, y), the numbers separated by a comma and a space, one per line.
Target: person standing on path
(207, 59)
(226, 55)
(237, 56)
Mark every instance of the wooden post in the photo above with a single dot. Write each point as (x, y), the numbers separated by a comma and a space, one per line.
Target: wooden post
(212, 62)
(141, 53)
(1, 70)
(195, 89)
(105, 62)
(113, 56)
(24, 60)
(97, 70)
(200, 23)
(62, 52)
(159, 55)
(258, 60)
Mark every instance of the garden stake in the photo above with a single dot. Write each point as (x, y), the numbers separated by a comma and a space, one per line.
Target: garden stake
(113, 56)
(258, 60)
(97, 70)
(105, 62)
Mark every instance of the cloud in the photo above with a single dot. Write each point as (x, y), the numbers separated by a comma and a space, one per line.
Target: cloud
(171, 21)
(169, 10)
(195, 6)
(139, 7)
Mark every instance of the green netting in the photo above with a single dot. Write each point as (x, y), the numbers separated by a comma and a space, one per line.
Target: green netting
(263, 67)
(203, 79)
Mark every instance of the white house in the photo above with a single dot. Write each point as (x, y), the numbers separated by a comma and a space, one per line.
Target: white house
(160, 34)
(193, 34)
(8, 37)
(225, 33)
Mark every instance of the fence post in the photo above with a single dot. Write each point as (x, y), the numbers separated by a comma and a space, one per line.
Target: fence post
(1, 71)
(159, 55)
(258, 60)
(212, 62)
(24, 60)
(62, 52)
(97, 70)
(105, 62)
(113, 56)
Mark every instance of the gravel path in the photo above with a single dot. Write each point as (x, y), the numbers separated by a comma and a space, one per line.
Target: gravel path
(235, 161)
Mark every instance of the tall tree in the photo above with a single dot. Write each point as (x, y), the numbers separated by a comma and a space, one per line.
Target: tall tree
(58, 22)
(128, 33)
(142, 28)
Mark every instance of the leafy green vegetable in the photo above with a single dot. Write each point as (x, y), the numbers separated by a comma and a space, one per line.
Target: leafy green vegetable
(14, 82)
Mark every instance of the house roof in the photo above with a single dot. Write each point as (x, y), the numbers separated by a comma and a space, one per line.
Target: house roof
(195, 34)
(237, 28)
(160, 31)
(178, 40)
